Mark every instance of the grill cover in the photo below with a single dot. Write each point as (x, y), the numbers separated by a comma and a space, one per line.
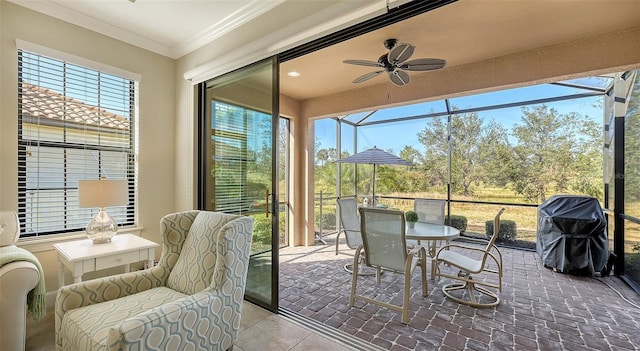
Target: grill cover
(572, 234)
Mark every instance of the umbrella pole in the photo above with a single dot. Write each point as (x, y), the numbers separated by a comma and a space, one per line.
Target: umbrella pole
(373, 193)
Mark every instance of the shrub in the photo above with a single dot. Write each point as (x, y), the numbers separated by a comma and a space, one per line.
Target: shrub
(262, 229)
(459, 222)
(411, 216)
(506, 232)
(328, 220)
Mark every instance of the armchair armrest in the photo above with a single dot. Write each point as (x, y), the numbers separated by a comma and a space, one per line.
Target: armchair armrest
(207, 319)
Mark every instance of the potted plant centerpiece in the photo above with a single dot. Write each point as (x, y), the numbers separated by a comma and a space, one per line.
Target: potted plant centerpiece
(411, 217)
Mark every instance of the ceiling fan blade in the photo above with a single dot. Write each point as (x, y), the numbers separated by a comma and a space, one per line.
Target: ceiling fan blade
(400, 53)
(363, 63)
(423, 64)
(367, 76)
(399, 77)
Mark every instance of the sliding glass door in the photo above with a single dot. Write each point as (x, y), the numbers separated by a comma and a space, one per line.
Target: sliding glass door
(239, 164)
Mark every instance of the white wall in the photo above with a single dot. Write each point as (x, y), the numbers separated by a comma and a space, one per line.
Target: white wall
(157, 106)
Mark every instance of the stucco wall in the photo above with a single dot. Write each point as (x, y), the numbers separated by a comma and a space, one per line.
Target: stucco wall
(156, 153)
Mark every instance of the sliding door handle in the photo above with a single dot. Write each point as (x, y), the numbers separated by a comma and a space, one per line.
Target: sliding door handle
(266, 206)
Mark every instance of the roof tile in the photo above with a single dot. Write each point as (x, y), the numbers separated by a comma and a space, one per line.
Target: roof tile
(45, 103)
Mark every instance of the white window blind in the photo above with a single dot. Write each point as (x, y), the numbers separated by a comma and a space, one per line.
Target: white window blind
(74, 123)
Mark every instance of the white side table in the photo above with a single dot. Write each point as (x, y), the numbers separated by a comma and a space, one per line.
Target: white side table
(84, 256)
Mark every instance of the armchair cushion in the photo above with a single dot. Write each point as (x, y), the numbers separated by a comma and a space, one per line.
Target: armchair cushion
(88, 327)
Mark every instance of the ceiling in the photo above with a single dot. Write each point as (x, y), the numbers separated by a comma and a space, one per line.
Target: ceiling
(462, 32)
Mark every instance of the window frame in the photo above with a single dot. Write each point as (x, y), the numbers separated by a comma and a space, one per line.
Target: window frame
(129, 216)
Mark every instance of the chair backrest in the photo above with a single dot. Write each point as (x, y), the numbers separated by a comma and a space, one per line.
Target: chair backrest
(383, 236)
(496, 230)
(201, 252)
(350, 222)
(9, 228)
(429, 211)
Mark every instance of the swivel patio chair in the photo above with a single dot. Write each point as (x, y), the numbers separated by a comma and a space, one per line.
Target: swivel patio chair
(468, 267)
(384, 247)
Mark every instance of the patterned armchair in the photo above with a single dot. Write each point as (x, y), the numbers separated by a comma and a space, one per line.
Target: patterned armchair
(190, 301)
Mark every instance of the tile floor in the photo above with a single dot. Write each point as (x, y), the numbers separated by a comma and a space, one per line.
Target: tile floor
(540, 309)
(260, 330)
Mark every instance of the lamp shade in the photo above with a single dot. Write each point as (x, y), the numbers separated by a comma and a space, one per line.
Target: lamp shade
(102, 193)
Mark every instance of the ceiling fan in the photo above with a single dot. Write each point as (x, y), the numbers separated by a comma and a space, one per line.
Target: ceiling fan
(395, 63)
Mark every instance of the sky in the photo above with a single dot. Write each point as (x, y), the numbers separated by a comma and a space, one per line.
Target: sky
(395, 136)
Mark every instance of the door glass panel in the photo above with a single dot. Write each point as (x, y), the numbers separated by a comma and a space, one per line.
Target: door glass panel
(240, 166)
(283, 180)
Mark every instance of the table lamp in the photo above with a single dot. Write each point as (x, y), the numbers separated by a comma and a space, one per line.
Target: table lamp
(101, 194)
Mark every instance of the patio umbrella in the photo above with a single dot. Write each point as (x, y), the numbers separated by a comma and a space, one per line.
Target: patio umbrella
(375, 156)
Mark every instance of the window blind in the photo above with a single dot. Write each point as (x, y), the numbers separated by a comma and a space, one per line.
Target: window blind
(74, 123)
(229, 175)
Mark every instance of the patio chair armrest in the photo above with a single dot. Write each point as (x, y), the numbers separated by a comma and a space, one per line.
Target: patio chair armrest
(484, 242)
(495, 259)
(416, 249)
(448, 246)
(470, 239)
(411, 264)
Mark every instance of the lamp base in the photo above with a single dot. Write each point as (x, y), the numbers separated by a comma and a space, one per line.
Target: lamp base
(102, 228)
(101, 240)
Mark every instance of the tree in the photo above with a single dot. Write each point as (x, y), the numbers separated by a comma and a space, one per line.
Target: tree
(495, 155)
(466, 169)
(434, 139)
(549, 151)
(411, 154)
(476, 148)
(322, 156)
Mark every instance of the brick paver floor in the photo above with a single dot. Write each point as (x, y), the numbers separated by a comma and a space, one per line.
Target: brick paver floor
(540, 309)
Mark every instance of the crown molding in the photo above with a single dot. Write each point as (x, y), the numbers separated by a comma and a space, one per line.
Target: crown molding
(52, 9)
(240, 17)
(243, 15)
(278, 41)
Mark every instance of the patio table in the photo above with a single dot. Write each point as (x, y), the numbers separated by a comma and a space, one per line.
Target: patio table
(431, 233)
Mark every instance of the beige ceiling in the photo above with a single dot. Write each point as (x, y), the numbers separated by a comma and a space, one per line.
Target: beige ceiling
(462, 32)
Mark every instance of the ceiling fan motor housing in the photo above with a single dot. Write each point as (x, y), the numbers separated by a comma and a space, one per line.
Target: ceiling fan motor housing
(384, 61)
(390, 43)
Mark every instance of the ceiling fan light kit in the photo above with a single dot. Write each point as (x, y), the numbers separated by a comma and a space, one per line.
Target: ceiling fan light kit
(395, 63)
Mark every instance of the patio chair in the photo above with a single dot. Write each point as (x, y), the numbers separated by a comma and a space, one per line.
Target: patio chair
(350, 226)
(468, 267)
(429, 211)
(384, 247)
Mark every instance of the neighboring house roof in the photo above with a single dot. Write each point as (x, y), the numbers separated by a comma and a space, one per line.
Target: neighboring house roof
(42, 103)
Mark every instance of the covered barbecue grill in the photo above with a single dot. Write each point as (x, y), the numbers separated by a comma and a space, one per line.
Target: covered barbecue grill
(572, 234)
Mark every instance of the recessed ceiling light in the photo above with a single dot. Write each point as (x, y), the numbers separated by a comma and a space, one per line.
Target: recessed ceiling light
(293, 74)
